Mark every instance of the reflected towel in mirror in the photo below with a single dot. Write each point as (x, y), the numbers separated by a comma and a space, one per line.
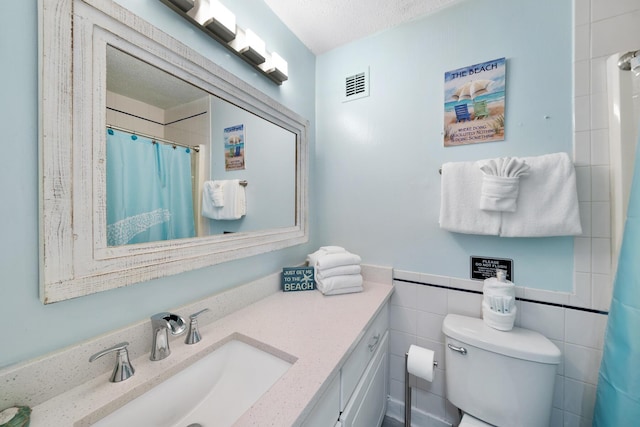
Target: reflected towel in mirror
(233, 199)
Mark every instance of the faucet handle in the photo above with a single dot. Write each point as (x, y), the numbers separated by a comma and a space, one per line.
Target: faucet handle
(193, 336)
(123, 369)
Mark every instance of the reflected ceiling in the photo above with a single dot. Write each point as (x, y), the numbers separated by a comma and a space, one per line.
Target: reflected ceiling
(146, 83)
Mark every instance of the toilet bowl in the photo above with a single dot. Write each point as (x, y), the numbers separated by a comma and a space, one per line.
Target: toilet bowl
(499, 378)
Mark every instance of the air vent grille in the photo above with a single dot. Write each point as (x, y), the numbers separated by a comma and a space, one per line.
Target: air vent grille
(356, 86)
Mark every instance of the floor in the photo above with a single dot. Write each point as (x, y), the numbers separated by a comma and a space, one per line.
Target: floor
(390, 422)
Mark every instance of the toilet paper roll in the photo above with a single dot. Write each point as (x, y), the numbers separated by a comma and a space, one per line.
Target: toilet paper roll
(420, 362)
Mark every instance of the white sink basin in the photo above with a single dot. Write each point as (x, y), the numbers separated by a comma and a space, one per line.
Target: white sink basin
(213, 392)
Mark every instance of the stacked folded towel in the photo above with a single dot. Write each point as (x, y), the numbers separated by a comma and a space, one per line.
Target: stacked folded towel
(337, 270)
(499, 302)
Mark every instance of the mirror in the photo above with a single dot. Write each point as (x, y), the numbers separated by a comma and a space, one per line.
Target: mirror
(196, 137)
(224, 129)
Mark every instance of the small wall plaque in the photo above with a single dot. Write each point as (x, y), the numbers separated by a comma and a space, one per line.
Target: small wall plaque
(484, 268)
(298, 279)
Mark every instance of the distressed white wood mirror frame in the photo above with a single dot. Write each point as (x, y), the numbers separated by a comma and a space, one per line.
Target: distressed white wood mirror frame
(74, 257)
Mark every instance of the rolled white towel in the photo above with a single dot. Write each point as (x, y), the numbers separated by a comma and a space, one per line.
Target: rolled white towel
(330, 284)
(498, 286)
(338, 271)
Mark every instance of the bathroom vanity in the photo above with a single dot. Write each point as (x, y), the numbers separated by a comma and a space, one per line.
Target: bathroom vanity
(337, 347)
(358, 396)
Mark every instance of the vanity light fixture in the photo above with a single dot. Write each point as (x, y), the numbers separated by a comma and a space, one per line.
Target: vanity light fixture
(251, 46)
(221, 22)
(276, 67)
(212, 17)
(184, 5)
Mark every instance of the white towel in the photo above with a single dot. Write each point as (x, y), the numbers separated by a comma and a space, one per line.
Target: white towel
(328, 261)
(548, 200)
(338, 271)
(212, 197)
(234, 202)
(208, 208)
(336, 283)
(312, 259)
(500, 183)
(215, 190)
(332, 249)
(460, 201)
(342, 291)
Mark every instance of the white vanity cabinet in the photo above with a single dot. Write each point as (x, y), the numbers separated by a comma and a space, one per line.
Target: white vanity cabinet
(358, 395)
(364, 385)
(325, 413)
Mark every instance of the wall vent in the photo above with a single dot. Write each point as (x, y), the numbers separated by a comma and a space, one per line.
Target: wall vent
(356, 86)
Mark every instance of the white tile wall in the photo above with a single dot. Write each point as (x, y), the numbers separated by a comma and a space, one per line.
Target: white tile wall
(601, 29)
(578, 334)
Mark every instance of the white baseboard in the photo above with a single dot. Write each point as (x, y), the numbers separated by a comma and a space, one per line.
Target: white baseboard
(395, 410)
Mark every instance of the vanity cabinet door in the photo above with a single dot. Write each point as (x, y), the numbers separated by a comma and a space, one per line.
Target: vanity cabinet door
(368, 404)
(354, 367)
(326, 411)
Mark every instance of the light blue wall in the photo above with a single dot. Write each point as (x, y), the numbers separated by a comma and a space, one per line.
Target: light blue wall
(270, 170)
(374, 180)
(30, 328)
(377, 158)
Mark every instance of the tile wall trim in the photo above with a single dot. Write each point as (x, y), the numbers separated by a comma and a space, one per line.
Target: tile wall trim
(553, 304)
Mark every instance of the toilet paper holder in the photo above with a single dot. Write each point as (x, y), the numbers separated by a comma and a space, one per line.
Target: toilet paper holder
(407, 390)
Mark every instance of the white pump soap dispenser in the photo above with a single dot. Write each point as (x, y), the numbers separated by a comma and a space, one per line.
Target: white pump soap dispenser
(499, 302)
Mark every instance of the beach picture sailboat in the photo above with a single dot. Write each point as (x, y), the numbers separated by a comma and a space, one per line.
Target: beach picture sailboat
(474, 104)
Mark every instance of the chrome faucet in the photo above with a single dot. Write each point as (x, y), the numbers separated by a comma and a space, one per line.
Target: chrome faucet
(123, 368)
(193, 336)
(161, 324)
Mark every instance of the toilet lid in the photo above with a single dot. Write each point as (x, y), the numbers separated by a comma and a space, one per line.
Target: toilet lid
(469, 421)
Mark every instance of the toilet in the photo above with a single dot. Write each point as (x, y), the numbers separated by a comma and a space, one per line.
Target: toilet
(498, 378)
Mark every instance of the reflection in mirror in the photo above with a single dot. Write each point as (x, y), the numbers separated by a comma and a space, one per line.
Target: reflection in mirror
(175, 154)
(623, 88)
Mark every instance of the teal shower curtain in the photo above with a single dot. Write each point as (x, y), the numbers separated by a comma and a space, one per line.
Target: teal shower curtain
(618, 393)
(149, 194)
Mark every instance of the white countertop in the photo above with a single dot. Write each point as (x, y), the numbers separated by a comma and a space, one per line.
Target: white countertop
(318, 332)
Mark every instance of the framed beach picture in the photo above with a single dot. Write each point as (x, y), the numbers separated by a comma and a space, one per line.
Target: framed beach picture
(234, 148)
(474, 104)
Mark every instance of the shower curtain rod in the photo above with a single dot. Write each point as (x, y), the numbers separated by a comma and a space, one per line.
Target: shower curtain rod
(155, 139)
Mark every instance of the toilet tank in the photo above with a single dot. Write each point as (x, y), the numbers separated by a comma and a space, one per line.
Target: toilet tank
(504, 378)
